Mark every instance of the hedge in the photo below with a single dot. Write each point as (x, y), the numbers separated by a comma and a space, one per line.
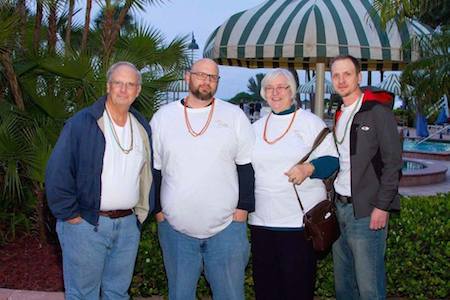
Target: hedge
(417, 254)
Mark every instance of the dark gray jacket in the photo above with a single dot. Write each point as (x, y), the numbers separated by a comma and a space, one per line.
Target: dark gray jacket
(375, 155)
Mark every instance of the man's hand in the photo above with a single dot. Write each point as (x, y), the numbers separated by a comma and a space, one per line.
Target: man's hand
(378, 219)
(240, 215)
(298, 173)
(75, 220)
(159, 217)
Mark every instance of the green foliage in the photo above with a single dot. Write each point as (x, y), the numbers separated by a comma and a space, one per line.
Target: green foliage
(430, 12)
(418, 249)
(405, 117)
(149, 278)
(417, 255)
(429, 75)
(242, 96)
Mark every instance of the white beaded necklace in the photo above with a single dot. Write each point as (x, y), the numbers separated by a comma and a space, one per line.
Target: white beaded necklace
(116, 138)
(352, 115)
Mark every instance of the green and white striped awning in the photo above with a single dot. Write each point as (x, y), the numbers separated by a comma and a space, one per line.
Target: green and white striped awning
(300, 33)
(391, 84)
(310, 87)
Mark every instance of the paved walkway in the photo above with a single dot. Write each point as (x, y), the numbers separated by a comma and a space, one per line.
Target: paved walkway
(7, 294)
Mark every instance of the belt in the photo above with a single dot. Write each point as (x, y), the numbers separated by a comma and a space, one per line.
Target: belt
(114, 214)
(343, 199)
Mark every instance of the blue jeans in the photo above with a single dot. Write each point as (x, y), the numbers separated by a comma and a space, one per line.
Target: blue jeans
(100, 260)
(223, 257)
(358, 257)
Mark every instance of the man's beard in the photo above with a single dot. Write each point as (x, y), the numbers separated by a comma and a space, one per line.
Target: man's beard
(202, 96)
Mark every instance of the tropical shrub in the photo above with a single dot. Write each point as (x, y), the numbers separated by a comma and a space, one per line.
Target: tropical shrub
(417, 256)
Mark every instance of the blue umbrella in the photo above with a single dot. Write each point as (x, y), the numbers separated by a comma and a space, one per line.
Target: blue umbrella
(442, 118)
(421, 126)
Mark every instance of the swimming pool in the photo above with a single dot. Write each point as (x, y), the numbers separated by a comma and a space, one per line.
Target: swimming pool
(420, 172)
(409, 165)
(411, 145)
(427, 150)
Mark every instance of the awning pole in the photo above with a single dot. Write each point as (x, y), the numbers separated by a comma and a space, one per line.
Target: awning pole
(320, 83)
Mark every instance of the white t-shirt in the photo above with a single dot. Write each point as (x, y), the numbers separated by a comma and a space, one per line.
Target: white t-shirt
(120, 175)
(342, 184)
(276, 202)
(199, 189)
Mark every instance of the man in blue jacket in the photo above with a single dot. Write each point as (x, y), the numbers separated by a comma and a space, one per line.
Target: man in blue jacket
(366, 185)
(99, 187)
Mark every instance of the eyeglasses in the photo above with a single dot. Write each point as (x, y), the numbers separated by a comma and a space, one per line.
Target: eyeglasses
(121, 84)
(203, 76)
(278, 89)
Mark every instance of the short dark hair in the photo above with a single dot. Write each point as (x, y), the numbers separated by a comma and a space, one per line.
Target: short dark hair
(351, 58)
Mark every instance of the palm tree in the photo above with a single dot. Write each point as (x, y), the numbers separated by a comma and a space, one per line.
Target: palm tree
(431, 12)
(254, 86)
(429, 75)
(39, 89)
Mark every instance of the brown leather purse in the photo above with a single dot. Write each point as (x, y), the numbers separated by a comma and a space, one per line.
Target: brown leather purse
(321, 225)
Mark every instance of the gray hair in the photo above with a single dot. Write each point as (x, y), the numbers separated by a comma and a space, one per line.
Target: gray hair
(271, 75)
(114, 67)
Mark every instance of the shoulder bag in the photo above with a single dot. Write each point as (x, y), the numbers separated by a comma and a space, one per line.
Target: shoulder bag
(321, 225)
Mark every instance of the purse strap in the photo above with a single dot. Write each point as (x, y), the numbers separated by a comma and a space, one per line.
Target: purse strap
(320, 137)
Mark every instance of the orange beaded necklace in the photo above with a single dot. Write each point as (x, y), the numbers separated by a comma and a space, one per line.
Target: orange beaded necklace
(282, 135)
(188, 124)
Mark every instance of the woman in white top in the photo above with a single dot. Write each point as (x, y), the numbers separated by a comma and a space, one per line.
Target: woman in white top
(284, 262)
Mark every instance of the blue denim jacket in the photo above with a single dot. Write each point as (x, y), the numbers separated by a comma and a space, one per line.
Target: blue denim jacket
(74, 170)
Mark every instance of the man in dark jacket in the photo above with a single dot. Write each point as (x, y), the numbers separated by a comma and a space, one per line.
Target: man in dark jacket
(366, 185)
(99, 186)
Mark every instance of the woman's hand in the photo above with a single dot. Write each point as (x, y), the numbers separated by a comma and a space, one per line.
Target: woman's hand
(298, 173)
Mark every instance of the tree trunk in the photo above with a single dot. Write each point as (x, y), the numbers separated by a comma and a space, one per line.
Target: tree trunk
(52, 26)
(107, 29)
(87, 22)
(2, 98)
(69, 25)
(6, 61)
(113, 28)
(21, 10)
(37, 25)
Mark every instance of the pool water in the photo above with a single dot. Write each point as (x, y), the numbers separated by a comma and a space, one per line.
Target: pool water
(412, 165)
(435, 147)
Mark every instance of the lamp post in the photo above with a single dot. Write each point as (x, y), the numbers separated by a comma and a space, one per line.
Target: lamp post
(192, 46)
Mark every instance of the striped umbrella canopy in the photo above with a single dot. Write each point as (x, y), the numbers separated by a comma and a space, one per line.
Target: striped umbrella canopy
(310, 87)
(300, 33)
(392, 84)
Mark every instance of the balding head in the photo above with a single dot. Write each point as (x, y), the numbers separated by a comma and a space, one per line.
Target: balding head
(205, 64)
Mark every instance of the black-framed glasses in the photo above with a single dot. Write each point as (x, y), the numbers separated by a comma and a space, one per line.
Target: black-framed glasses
(204, 76)
(278, 89)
